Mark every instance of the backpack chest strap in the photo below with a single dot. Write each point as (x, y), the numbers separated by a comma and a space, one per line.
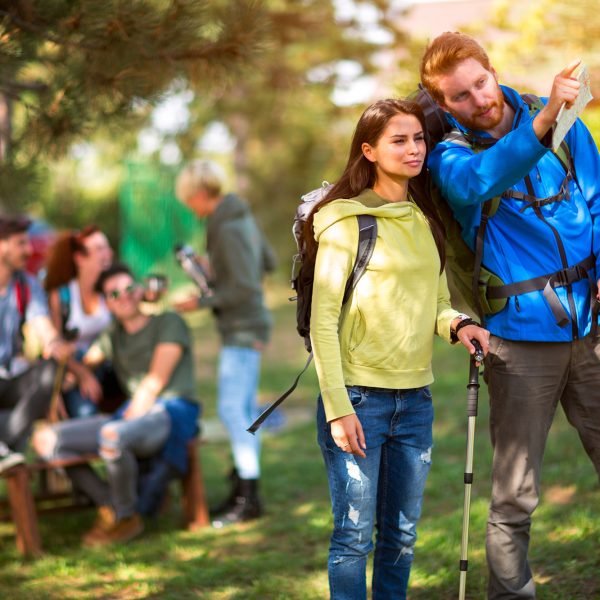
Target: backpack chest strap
(547, 283)
(535, 202)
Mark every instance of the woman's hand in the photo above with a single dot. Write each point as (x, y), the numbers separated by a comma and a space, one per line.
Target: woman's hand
(89, 386)
(474, 332)
(347, 433)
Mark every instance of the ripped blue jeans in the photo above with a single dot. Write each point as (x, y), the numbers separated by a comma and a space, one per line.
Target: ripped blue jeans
(383, 490)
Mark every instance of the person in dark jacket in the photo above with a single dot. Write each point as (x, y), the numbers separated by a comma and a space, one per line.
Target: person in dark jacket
(238, 257)
(542, 242)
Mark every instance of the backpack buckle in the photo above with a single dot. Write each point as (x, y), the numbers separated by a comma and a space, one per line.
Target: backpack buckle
(296, 263)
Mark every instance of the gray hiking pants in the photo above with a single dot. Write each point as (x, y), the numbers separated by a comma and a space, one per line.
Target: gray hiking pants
(526, 381)
(142, 437)
(24, 399)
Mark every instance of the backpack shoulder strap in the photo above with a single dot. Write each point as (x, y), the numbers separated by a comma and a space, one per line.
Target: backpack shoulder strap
(367, 235)
(23, 294)
(456, 136)
(64, 297)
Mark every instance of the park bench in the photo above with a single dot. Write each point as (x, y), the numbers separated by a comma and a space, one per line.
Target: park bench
(25, 505)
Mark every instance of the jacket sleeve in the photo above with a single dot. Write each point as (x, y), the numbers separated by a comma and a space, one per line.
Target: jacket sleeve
(268, 256)
(238, 259)
(445, 313)
(335, 259)
(587, 171)
(467, 178)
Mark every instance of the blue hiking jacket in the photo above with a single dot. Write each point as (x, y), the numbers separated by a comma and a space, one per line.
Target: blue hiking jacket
(518, 245)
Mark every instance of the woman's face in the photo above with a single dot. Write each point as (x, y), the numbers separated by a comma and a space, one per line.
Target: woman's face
(98, 253)
(400, 151)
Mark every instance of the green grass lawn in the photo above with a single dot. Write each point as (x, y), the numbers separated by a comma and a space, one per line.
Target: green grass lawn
(284, 554)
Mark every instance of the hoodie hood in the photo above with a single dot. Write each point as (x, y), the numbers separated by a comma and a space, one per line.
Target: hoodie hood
(231, 207)
(367, 203)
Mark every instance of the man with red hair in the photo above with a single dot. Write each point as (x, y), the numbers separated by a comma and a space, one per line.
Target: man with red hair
(531, 214)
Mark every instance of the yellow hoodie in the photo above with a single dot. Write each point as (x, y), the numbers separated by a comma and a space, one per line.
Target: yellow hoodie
(383, 336)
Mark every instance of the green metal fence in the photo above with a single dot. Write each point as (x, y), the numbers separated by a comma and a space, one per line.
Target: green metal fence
(153, 221)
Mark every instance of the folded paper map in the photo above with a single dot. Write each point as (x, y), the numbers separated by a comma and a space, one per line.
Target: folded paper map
(568, 116)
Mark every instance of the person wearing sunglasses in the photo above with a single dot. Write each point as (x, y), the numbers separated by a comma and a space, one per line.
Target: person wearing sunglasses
(152, 358)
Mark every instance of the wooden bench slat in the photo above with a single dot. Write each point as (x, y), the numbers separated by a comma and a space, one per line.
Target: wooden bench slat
(23, 505)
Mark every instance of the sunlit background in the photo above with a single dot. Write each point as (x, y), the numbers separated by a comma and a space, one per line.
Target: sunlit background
(101, 102)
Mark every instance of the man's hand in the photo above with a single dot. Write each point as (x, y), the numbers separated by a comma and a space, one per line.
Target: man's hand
(89, 386)
(186, 305)
(139, 406)
(565, 89)
(347, 433)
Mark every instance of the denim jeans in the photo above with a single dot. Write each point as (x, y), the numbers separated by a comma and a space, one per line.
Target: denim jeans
(141, 437)
(239, 370)
(384, 490)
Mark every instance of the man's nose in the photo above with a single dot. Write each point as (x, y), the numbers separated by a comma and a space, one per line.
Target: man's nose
(480, 99)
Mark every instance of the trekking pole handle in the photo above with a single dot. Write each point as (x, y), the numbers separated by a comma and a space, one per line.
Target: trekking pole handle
(478, 356)
(473, 385)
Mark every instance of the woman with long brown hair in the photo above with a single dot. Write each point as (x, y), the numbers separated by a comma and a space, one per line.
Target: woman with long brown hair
(373, 354)
(74, 264)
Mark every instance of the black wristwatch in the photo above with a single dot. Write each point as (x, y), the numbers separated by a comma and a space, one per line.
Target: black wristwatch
(464, 321)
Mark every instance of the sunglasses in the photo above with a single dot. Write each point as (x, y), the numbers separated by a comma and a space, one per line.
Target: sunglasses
(128, 290)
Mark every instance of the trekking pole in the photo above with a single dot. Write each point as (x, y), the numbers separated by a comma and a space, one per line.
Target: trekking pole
(54, 409)
(472, 398)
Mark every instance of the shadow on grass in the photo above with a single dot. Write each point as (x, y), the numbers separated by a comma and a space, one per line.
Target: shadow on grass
(284, 555)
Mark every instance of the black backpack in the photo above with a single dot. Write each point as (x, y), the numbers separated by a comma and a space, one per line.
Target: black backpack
(303, 272)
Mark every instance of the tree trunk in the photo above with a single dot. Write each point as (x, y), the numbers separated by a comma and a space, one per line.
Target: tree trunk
(5, 127)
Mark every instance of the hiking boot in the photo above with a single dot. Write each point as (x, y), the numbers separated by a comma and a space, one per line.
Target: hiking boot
(8, 458)
(105, 519)
(120, 531)
(234, 492)
(247, 506)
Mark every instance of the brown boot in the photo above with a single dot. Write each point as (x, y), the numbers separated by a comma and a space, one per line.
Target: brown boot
(120, 531)
(105, 519)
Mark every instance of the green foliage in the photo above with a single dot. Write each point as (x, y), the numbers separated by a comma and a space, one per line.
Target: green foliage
(289, 134)
(66, 67)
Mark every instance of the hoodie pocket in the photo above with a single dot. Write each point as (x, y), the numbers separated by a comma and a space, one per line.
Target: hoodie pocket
(372, 343)
(358, 330)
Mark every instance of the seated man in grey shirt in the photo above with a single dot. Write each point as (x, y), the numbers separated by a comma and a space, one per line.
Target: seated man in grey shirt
(25, 387)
